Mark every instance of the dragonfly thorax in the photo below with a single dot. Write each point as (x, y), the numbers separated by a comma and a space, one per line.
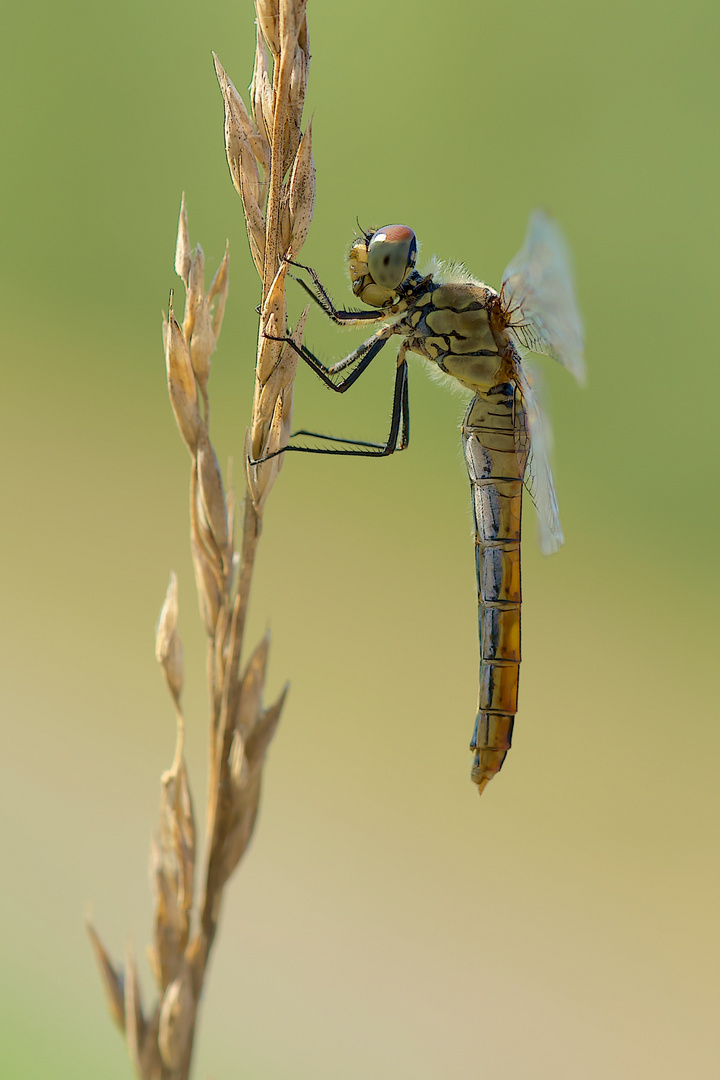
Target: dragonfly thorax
(380, 262)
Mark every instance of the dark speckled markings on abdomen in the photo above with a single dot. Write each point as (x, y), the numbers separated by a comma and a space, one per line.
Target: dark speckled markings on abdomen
(494, 441)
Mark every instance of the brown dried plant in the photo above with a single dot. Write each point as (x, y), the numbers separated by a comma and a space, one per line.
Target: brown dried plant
(271, 166)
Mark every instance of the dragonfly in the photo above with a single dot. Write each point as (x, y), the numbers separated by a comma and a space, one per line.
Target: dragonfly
(479, 338)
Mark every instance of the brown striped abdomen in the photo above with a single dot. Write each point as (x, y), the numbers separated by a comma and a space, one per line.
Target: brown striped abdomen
(495, 444)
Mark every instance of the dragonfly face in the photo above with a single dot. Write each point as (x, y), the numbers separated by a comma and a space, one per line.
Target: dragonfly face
(477, 336)
(380, 262)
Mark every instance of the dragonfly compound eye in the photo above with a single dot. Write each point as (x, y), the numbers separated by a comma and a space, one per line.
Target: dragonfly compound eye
(392, 252)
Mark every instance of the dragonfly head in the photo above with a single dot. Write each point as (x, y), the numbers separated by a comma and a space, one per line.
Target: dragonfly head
(380, 262)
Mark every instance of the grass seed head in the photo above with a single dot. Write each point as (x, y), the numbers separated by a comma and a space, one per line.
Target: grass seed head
(271, 165)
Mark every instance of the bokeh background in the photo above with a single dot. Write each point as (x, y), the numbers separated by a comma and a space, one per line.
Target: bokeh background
(385, 923)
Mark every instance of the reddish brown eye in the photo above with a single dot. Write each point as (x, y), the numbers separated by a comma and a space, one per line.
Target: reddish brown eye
(391, 255)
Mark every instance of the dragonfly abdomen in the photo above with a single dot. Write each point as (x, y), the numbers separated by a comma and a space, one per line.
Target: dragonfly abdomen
(496, 469)
(499, 630)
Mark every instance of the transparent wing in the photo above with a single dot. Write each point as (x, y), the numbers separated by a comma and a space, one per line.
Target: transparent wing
(538, 297)
(538, 477)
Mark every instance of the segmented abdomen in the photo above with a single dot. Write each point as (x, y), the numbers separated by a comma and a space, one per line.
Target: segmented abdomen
(496, 448)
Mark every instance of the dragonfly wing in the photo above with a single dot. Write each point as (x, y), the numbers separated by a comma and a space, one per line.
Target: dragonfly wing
(538, 476)
(538, 297)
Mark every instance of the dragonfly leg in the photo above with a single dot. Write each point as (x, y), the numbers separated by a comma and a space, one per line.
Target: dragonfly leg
(405, 425)
(323, 299)
(399, 436)
(362, 356)
(397, 440)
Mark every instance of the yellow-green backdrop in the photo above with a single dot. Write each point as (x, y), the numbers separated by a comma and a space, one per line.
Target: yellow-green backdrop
(386, 923)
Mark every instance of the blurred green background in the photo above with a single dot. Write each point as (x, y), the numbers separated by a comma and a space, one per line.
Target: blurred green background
(385, 923)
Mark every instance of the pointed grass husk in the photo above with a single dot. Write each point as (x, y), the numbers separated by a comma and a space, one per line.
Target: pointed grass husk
(271, 166)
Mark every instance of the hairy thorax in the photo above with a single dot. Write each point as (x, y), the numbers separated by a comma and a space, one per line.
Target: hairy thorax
(460, 327)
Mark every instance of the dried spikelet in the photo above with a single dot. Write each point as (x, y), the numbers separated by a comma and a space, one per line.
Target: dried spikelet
(175, 1024)
(303, 37)
(195, 290)
(178, 813)
(259, 738)
(284, 223)
(257, 242)
(297, 337)
(257, 477)
(268, 404)
(173, 870)
(202, 343)
(273, 442)
(267, 21)
(211, 494)
(240, 824)
(217, 294)
(296, 100)
(112, 979)
(301, 193)
(140, 1049)
(292, 18)
(298, 81)
(272, 325)
(291, 141)
(290, 367)
(254, 728)
(239, 135)
(163, 953)
(248, 128)
(239, 132)
(273, 409)
(181, 383)
(207, 587)
(168, 647)
(261, 95)
(251, 687)
(182, 248)
(266, 472)
(279, 379)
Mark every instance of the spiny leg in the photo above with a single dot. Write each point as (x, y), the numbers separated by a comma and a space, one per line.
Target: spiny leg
(404, 432)
(362, 356)
(397, 440)
(323, 299)
(404, 426)
(335, 438)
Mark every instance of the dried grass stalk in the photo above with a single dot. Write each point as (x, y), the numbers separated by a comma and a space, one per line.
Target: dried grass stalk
(270, 160)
